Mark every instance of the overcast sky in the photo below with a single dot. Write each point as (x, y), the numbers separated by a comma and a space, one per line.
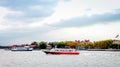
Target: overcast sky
(25, 21)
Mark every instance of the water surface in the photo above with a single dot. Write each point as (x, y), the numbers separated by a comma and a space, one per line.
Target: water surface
(39, 59)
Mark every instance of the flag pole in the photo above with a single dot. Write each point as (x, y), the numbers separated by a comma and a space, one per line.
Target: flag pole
(117, 40)
(117, 37)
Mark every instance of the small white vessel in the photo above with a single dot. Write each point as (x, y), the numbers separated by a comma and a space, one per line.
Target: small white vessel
(21, 48)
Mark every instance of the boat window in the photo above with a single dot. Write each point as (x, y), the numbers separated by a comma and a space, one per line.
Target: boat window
(70, 50)
(56, 50)
(66, 50)
(61, 50)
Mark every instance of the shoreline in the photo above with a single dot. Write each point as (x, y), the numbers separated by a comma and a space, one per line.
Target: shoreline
(79, 49)
(103, 49)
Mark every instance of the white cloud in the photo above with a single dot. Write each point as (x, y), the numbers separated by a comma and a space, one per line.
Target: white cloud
(4, 12)
(86, 7)
(94, 32)
(67, 10)
(75, 8)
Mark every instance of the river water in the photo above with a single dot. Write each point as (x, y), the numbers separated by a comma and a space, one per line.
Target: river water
(39, 59)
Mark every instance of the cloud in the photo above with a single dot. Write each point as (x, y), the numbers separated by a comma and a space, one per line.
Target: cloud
(37, 13)
(31, 9)
(90, 20)
(23, 4)
(3, 21)
(94, 32)
(24, 35)
(51, 20)
(23, 14)
(81, 8)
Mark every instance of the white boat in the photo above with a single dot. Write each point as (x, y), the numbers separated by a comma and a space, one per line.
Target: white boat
(21, 48)
(62, 51)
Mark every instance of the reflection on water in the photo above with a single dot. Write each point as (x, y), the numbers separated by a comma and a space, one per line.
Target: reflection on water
(39, 59)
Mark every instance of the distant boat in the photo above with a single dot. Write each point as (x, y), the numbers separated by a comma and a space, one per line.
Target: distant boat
(21, 48)
(62, 51)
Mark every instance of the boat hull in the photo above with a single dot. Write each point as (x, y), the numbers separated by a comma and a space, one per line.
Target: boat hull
(21, 50)
(69, 53)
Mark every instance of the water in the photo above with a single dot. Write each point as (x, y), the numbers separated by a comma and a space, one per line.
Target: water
(39, 59)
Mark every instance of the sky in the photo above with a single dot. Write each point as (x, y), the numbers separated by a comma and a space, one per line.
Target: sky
(26, 21)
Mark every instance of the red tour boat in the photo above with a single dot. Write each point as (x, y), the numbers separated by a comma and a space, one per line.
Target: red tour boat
(62, 51)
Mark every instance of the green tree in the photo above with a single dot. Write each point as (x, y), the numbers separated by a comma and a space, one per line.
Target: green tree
(42, 45)
(36, 45)
(89, 45)
(61, 44)
(104, 44)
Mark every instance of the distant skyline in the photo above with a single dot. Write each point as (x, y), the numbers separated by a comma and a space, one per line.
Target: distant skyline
(25, 21)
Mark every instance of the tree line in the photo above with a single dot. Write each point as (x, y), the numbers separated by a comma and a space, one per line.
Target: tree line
(85, 44)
